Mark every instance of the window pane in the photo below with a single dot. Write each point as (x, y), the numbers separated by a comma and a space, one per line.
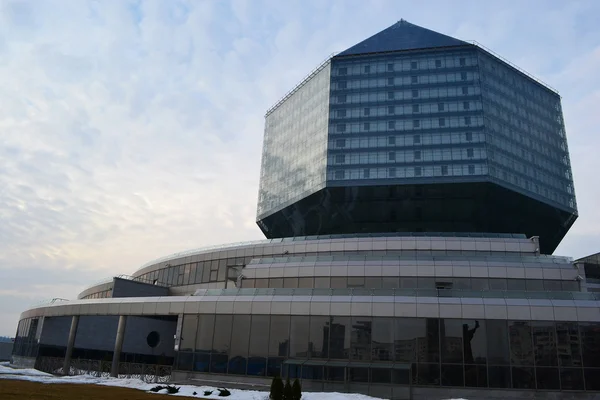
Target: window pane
(544, 341)
(279, 336)
(204, 334)
(314, 372)
(523, 378)
(188, 333)
(290, 283)
(452, 331)
(427, 374)
(259, 335)
(569, 349)
(452, 375)
(499, 377)
(221, 343)
(591, 378)
(319, 337)
(339, 282)
(474, 341)
(590, 332)
(571, 379)
(475, 376)
(299, 337)
(409, 334)
(521, 345)
(381, 375)
(432, 341)
(322, 283)
(239, 345)
(185, 361)
(360, 346)
(382, 346)
(358, 374)
(339, 338)
(547, 378)
(497, 343)
(305, 283)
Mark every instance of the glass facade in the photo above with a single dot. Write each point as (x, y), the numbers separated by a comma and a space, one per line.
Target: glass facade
(295, 144)
(525, 135)
(380, 350)
(27, 338)
(406, 117)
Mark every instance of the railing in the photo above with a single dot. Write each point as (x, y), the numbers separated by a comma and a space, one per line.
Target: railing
(521, 70)
(298, 86)
(149, 373)
(48, 302)
(501, 294)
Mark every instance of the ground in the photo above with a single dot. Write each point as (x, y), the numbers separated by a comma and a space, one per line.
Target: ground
(20, 390)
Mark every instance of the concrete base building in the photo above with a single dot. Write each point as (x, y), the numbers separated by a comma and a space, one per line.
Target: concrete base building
(341, 295)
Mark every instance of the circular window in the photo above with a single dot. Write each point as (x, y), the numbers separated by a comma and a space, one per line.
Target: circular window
(153, 339)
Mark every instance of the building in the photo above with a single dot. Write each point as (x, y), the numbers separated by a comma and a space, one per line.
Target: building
(412, 190)
(414, 131)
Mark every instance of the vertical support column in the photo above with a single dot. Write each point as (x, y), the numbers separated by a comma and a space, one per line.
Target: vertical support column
(70, 344)
(114, 370)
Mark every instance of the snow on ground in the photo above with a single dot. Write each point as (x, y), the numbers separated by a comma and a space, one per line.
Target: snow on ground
(33, 375)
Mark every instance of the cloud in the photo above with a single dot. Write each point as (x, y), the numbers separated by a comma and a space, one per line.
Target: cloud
(131, 130)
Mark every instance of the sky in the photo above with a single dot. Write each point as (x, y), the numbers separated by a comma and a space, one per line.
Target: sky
(130, 130)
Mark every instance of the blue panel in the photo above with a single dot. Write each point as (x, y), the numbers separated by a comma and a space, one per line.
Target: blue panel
(402, 36)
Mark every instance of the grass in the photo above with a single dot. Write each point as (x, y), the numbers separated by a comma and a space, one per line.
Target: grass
(21, 390)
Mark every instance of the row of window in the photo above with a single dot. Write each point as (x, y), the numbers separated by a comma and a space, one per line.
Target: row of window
(405, 80)
(407, 109)
(99, 295)
(395, 65)
(406, 156)
(407, 140)
(401, 125)
(427, 93)
(547, 349)
(394, 282)
(407, 172)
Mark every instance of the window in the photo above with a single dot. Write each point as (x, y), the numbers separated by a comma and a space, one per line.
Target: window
(465, 90)
(417, 139)
(417, 171)
(438, 63)
(470, 153)
(417, 154)
(415, 108)
(341, 98)
(392, 156)
(342, 71)
(390, 67)
(462, 61)
(467, 120)
(342, 85)
(463, 76)
(391, 109)
(392, 172)
(414, 79)
(471, 169)
(367, 69)
(340, 128)
(390, 81)
(365, 174)
(367, 112)
(441, 107)
(413, 65)
(367, 126)
(340, 143)
(416, 123)
(339, 174)
(340, 158)
(466, 105)
(392, 140)
(442, 121)
(341, 113)
(444, 170)
(391, 124)
(469, 136)
(415, 93)
(390, 95)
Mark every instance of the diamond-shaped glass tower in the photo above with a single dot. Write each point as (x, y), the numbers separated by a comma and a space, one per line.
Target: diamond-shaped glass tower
(411, 130)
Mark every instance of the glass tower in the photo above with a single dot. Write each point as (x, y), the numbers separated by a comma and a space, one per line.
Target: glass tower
(415, 131)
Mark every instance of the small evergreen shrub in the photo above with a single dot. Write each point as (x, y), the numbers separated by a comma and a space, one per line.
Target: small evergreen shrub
(276, 389)
(287, 390)
(296, 390)
(208, 392)
(224, 392)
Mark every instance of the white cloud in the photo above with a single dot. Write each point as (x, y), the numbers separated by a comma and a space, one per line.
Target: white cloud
(131, 130)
